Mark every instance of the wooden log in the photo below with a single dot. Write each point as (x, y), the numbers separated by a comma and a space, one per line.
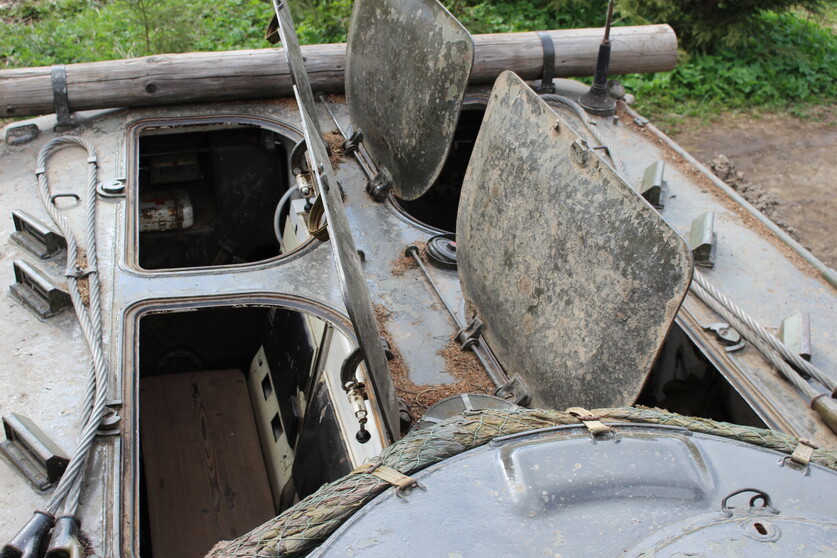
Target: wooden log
(264, 73)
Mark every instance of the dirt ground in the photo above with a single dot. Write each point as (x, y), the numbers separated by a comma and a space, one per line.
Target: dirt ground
(794, 160)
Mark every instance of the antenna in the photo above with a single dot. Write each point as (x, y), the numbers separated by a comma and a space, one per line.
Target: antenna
(597, 100)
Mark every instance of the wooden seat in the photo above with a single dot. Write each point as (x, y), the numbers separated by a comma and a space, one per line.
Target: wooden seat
(205, 477)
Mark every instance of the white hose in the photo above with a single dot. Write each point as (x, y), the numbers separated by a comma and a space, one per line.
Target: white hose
(280, 207)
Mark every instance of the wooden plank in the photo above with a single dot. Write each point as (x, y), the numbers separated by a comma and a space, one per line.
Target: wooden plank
(205, 477)
(263, 73)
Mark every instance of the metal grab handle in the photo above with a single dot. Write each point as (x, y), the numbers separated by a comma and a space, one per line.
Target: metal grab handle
(766, 502)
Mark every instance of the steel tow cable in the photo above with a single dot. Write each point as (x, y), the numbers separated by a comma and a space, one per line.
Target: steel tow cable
(65, 498)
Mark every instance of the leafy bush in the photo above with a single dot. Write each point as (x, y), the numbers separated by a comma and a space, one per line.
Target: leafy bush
(704, 25)
(783, 59)
(790, 61)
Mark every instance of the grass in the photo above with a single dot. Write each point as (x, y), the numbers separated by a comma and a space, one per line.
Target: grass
(788, 65)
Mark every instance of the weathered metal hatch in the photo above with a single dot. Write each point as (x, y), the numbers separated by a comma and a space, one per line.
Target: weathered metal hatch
(408, 63)
(354, 290)
(575, 277)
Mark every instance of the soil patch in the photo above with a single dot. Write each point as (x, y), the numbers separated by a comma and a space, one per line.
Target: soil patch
(785, 166)
(464, 366)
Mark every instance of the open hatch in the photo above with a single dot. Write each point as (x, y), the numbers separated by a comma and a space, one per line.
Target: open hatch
(241, 414)
(407, 68)
(208, 193)
(575, 278)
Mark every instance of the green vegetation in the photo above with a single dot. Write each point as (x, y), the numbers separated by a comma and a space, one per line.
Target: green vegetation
(735, 53)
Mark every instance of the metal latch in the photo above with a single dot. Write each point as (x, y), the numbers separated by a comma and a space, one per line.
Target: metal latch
(727, 336)
(37, 292)
(36, 236)
(33, 452)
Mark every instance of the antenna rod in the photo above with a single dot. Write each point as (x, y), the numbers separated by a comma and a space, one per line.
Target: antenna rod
(597, 100)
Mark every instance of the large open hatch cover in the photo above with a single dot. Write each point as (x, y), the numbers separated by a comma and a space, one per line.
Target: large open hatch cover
(408, 63)
(350, 274)
(575, 277)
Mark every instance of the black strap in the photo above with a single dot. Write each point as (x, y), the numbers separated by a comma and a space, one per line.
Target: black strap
(60, 98)
(547, 86)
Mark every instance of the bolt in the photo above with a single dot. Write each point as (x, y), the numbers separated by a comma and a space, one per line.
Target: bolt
(150, 87)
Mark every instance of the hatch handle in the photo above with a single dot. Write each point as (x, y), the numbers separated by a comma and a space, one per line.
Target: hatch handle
(760, 495)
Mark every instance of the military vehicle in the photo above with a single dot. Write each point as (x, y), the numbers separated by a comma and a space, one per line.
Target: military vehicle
(472, 307)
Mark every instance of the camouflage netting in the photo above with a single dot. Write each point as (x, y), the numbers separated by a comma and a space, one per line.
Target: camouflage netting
(307, 524)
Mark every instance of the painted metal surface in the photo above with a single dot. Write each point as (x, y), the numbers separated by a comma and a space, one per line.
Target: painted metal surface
(576, 278)
(407, 68)
(44, 364)
(649, 491)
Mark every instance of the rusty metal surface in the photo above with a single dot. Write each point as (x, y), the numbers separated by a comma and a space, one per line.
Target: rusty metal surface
(576, 277)
(407, 102)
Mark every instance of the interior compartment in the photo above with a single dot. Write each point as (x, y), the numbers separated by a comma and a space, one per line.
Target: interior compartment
(237, 421)
(207, 195)
(685, 382)
(438, 206)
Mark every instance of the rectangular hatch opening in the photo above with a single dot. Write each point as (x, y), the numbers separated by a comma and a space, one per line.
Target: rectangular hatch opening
(207, 194)
(239, 418)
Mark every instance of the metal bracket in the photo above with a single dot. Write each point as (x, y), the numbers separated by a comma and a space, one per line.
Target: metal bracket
(20, 135)
(469, 334)
(515, 391)
(547, 85)
(37, 292)
(580, 151)
(380, 186)
(653, 185)
(795, 332)
(725, 333)
(703, 240)
(113, 188)
(33, 452)
(36, 236)
(61, 100)
(352, 144)
(109, 425)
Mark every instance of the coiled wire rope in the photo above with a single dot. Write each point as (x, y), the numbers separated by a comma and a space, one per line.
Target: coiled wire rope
(65, 498)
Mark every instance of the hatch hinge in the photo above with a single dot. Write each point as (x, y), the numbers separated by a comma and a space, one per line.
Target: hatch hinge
(34, 235)
(32, 451)
(37, 292)
(516, 391)
(470, 334)
(380, 186)
(352, 143)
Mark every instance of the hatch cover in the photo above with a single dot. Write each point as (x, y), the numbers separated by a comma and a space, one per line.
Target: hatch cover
(408, 63)
(349, 272)
(576, 278)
